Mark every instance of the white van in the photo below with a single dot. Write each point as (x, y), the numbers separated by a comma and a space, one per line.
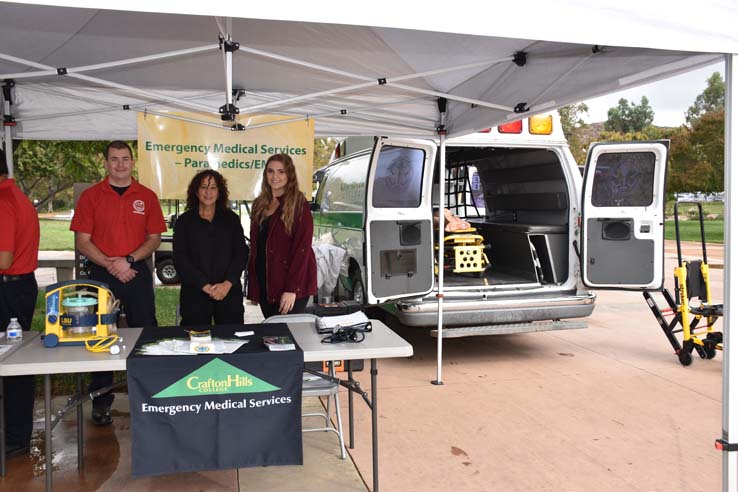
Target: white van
(520, 188)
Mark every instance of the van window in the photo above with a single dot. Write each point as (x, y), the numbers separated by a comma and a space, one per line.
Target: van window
(624, 180)
(345, 186)
(399, 178)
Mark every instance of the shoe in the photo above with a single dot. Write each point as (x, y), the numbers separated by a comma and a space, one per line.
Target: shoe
(14, 450)
(101, 416)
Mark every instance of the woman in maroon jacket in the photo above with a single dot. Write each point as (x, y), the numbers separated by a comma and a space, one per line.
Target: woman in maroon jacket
(282, 268)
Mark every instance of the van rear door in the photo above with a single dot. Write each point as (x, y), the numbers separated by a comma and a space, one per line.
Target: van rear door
(623, 215)
(399, 220)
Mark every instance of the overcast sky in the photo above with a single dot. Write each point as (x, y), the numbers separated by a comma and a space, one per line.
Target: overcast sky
(669, 98)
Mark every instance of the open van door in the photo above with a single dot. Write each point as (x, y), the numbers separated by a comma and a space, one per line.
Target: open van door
(623, 216)
(399, 220)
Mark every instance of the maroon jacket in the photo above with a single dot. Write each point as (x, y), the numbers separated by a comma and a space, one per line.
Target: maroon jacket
(290, 262)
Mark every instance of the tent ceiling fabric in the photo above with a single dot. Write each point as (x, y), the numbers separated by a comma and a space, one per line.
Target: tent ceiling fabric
(555, 73)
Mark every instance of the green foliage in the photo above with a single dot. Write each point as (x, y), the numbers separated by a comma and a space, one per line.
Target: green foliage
(573, 125)
(649, 133)
(323, 149)
(697, 155)
(629, 117)
(44, 169)
(712, 99)
(571, 117)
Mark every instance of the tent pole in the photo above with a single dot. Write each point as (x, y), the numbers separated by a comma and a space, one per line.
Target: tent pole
(730, 352)
(114, 85)
(374, 82)
(102, 66)
(8, 135)
(441, 228)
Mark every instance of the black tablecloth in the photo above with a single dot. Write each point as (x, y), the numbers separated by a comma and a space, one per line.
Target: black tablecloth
(215, 411)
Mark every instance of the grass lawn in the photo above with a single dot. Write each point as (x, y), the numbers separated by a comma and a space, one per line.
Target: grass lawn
(689, 230)
(167, 299)
(55, 235)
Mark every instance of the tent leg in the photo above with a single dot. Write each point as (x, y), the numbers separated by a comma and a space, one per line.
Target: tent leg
(441, 227)
(730, 369)
(8, 136)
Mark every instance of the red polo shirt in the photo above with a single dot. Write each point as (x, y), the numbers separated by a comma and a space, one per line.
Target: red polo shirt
(20, 231)
(118, 224)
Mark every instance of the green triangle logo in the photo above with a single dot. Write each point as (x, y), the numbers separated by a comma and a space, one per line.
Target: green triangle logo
(216, 378)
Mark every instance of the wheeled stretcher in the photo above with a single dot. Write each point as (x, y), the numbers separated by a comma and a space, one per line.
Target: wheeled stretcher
(691, 281)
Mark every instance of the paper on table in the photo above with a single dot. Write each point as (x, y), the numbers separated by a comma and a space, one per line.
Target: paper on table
(182, 347)
(327, 323)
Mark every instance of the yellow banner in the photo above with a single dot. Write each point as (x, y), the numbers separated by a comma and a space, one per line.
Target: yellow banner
(171, 151)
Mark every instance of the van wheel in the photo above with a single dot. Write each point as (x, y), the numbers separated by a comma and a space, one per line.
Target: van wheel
(357, 289)
(166, 272)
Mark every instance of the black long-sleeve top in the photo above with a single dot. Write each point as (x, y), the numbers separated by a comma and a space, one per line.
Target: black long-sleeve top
(209, 252)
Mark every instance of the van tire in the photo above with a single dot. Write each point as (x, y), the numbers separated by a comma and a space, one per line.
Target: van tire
(358, 293)
(166, 272)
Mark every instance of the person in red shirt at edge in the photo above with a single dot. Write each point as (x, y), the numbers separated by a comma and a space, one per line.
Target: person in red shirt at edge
(118, 224)
(18, 291)
(282, 269)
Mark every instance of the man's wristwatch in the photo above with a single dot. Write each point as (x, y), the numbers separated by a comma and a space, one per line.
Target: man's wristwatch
(130, 259)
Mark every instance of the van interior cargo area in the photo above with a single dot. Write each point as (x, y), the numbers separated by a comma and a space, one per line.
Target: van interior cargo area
(517, 199)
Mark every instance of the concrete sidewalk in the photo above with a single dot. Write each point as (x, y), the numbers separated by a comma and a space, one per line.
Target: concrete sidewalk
(108, 463)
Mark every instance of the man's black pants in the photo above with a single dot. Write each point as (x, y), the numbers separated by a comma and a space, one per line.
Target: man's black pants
(137, 302)
(18, 300)
(197, 308)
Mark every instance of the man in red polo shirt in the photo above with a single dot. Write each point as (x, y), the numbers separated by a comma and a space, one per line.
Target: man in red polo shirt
(118, 224)
(18, 290)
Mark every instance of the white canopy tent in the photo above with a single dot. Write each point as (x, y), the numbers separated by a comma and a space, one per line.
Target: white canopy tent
(79, 72)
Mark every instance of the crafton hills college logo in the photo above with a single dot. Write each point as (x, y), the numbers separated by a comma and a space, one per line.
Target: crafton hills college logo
(216, 378)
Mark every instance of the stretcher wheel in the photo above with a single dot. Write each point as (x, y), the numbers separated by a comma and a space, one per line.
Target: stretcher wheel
(685, 358)
(710, 352)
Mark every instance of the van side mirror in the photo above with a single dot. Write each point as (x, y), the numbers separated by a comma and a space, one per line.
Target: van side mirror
(314, 206)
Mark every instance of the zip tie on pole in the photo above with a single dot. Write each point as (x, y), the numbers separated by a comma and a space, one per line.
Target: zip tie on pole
(724, 445)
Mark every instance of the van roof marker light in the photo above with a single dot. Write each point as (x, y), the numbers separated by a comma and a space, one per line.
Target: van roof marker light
(540, 125)
(512, 127)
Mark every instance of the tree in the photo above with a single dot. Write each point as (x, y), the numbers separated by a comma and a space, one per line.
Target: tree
(571, 117)
(322, 151)
(697, 155)
(711, 99)
(44, 169)
(629, 117)
(575, 130)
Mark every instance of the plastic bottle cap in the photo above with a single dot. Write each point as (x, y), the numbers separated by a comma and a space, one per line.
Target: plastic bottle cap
(114, 349)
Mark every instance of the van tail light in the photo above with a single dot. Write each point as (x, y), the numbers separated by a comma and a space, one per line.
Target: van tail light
(512, 127)
(540, 124)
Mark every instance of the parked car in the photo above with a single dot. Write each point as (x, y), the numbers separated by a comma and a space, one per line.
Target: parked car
(164, 262)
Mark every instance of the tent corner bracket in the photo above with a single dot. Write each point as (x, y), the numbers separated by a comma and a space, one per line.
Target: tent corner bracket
(520, 58)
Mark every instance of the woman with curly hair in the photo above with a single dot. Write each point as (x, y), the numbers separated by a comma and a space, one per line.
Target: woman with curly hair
(282, 268)
(209, 254)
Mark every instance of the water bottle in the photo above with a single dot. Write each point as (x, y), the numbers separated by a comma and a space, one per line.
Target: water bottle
(14, 331)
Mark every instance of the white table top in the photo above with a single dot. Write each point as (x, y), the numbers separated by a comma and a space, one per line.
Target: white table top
(28, 337)
(380, 343)
(33, 358)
